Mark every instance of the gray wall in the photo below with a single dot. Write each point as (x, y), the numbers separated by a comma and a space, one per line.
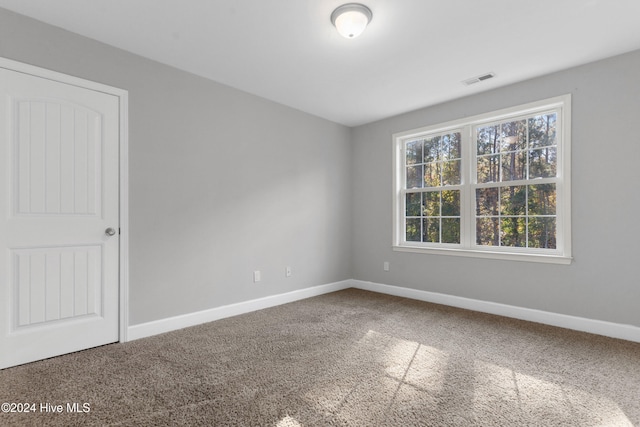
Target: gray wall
(221, 182)
(603, 280)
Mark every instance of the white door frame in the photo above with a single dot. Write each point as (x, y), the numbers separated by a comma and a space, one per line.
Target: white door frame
(123, 97)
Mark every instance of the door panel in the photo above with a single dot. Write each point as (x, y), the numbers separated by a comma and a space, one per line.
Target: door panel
(58, 194)
(58, 154)
(56, 283)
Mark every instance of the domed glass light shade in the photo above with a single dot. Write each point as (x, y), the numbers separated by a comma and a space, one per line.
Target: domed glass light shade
(351, 19)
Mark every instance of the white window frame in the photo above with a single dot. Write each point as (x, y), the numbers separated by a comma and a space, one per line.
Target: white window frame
(468, 246)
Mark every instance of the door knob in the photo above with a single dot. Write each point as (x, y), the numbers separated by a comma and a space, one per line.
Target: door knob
(110, 231)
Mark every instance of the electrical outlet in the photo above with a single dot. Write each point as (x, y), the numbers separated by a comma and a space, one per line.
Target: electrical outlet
(385, 266)
(287, 272)
(256, 276)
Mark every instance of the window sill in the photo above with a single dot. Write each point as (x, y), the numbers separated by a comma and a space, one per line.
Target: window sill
(509, 256)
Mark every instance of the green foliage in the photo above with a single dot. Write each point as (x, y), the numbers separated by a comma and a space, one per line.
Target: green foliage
(435, 216)
(520, 216)
(413, 204)
(433, 163)
(413, 230)
(510, 152)
(516, 150)
(517, 215)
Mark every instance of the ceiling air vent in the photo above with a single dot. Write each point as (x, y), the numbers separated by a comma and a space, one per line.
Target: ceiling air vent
(478, 79)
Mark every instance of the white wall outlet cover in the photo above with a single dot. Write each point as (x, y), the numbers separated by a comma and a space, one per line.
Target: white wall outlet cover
(256, 276)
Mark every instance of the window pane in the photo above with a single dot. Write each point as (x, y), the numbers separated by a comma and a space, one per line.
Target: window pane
(513, 136)
(451, 146)
(513, 200)
(432, 175)
(488, 169)
(431, 230)
(413, 203)
(450, 203)
(542, 199)
(487, 201)
(413, 230)
(451, 172)
(432, 203)
(431, 149)
(414, 152)
(543, 162)
(487, 140)
(450, 230)
(542, 233)
(414, 176)
(515, 177)
(514, 166)
(513, 232)
(487, 230)
(542, 130)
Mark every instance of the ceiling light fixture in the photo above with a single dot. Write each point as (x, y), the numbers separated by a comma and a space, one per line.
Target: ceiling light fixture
(351, 19)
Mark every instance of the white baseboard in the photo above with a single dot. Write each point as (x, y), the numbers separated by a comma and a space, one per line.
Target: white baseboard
(183, 321)
(599, 327)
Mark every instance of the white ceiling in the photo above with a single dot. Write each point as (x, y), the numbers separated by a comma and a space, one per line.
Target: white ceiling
(415, 53)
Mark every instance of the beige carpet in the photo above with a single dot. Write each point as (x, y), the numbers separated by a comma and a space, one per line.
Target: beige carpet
(351, 358)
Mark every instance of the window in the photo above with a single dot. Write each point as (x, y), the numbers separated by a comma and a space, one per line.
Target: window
(433, 186)
(495, 185)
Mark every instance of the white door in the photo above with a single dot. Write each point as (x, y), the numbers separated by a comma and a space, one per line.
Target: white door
(59, 185)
